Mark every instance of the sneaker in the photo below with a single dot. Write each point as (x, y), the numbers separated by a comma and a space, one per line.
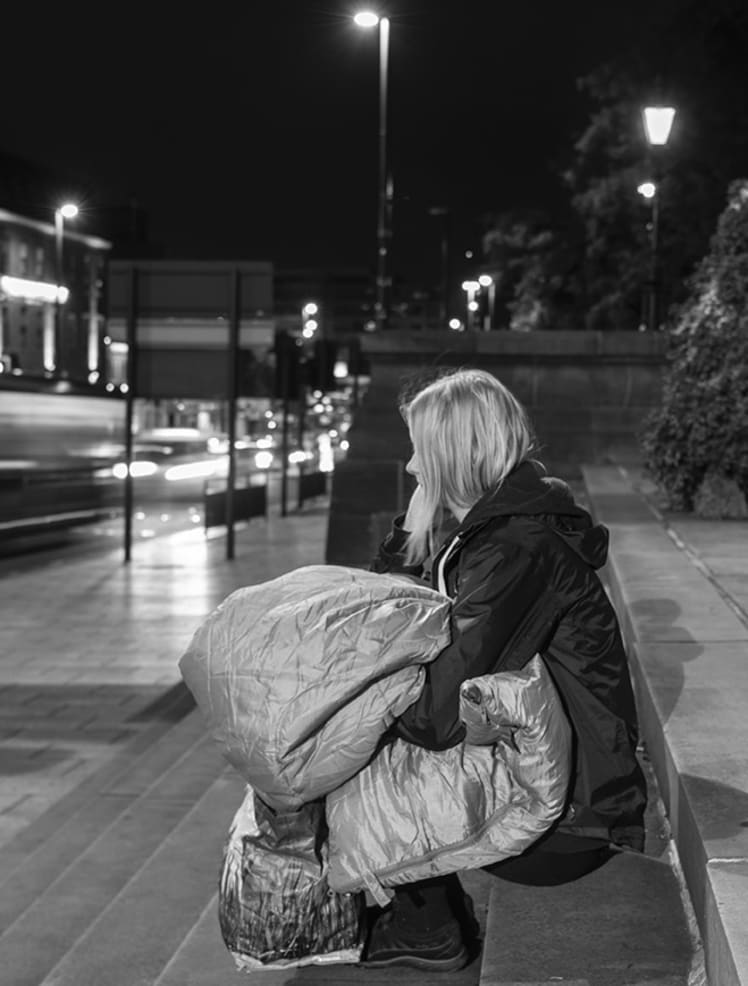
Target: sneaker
(441, 951)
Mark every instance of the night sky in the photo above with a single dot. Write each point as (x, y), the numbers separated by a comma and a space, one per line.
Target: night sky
(250, 131)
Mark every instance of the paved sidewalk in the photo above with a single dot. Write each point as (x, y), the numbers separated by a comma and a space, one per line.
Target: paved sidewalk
(89, 648)
(679, 584)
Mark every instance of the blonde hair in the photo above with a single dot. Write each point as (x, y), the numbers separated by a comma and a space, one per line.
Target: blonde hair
(468, 433)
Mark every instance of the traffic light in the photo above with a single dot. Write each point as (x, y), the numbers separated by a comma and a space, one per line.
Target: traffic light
(288, 380)
(358, 363)
(321, 375)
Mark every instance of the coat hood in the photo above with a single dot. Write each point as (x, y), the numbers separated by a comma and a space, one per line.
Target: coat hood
(527, 492)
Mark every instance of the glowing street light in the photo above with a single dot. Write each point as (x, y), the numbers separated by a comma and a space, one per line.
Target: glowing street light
(658, 122)
(369, 19)
(470, 288)
(68, 210)
(486, 281)
(366, 18)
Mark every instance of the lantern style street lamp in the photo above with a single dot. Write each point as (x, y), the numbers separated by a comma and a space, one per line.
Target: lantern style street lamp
(369, 19)
(658, 122)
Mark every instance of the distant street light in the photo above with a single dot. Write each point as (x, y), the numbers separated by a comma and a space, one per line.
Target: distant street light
(369, 19)
(309, 323)
(66, 211)
(470, 288)
(486, 281)
(658, 121)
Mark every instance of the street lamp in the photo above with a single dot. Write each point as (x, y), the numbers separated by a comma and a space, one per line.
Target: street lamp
(486, 281)
(369, 19)
(470, 288)
(658, 121)
(66, 211)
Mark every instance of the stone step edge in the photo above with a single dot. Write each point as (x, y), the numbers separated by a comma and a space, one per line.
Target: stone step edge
(56, 864)
(76, 953)
(19, 850)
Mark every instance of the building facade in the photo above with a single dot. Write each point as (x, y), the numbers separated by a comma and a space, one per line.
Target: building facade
(52, 300)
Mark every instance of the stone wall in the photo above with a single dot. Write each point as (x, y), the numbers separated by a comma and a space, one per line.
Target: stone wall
(587, 394)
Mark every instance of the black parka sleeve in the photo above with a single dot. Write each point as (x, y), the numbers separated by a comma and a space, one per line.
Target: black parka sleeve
(498, 582)
(390, 556)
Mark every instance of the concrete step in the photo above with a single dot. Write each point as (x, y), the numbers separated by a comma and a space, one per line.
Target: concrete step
(131, 827)
(141, 927)
(17, 850)
(43, 851)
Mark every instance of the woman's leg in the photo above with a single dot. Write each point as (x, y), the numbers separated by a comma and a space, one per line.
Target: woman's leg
(425, 906)
(422, 928)
(553, 861)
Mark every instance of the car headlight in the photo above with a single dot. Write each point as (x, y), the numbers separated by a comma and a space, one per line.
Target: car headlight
(141, 467)
(190, 470)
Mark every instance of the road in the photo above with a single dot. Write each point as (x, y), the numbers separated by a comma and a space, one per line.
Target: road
(150, 519)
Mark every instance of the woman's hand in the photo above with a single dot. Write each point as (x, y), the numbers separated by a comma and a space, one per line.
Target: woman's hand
(415, 507)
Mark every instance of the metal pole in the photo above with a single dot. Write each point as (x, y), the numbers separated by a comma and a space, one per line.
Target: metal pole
(59, 220)
(302, 416)
(655, 271)
(470, 314)
(132, 323)
(385, 188)
(284, 459)
(491, 304)
(445, 269)
(232, 388)
(284, 354)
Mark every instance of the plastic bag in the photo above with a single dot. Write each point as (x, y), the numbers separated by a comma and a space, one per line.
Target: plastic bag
(275, 907)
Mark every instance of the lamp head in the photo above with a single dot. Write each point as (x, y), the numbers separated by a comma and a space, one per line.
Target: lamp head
(68, 211)
(657, 123)
(366, 18)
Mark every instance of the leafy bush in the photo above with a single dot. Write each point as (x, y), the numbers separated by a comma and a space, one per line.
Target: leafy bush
(702, 424)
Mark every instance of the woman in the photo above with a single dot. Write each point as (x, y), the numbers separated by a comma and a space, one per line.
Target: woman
(520, 566)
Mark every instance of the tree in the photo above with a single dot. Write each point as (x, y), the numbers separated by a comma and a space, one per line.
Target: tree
(535, 270)
(696, 60)
(701, 428)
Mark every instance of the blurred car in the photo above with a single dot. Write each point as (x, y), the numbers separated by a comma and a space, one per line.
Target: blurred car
(175, 464)
(171, 464)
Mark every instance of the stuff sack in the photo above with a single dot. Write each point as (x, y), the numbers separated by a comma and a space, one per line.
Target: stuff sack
(275, 907)
(299, 677)
(414, 813)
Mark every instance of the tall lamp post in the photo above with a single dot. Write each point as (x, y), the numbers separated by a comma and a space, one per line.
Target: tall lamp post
(66, 211)
(369, 19)
(658, 121)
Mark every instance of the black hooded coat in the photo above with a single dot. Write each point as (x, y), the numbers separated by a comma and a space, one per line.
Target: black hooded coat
(521, 571)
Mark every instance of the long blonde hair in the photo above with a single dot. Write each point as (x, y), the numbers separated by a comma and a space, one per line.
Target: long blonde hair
(468, 433)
